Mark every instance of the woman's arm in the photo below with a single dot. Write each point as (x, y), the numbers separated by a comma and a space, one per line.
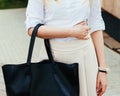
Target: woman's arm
(51, 32)
(78, 31)
(97, 38)
(101, 83)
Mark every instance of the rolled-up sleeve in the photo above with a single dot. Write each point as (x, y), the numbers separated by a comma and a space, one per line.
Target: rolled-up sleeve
(34, 13)
(95, 19)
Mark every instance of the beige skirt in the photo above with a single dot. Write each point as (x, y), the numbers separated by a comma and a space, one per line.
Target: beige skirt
(82, 52)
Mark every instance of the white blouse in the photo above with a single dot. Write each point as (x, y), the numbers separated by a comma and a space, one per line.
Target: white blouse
(64, 13)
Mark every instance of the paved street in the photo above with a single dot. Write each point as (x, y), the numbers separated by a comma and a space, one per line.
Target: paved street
(14, 43)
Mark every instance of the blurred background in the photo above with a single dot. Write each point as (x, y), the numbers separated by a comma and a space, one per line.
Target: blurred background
(5, 4)
(111, 16)
(14, 40)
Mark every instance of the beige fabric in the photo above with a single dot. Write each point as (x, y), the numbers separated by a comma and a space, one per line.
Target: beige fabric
(82, 52)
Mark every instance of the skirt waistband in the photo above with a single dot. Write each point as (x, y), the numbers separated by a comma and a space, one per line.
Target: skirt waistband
(69, 45)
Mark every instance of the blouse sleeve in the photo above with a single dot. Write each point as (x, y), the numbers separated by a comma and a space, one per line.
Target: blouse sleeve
(34, 13)
(95, 19)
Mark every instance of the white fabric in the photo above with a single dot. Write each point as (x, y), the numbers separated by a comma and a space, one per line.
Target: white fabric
(77, 51)
(64, 13)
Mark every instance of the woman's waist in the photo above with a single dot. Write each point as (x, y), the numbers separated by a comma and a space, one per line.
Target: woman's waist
(67, 45)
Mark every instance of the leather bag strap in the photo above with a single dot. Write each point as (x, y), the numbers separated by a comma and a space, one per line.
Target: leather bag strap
(48, 49)
(32, 42)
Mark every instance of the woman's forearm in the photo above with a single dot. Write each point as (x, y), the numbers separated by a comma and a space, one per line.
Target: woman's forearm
(79, 31)
(98, 41)
(52, 32)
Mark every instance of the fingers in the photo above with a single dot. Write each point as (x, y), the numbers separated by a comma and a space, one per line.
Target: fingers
(83, 23)
(103, 89)
(87, 28)
(101, 84)
(84, 26)
(85, 34)
(98, 86)
(99, 90)
(84, 38)
(81, 30)
(98, 94)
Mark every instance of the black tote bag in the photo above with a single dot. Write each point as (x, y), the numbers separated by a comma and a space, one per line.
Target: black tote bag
(44, 78)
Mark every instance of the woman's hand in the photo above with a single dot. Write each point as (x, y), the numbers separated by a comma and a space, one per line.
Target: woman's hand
(101, 83)
(80, 30)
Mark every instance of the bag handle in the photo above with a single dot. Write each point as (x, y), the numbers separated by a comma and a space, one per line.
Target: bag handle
(48, 49)
(32, 42)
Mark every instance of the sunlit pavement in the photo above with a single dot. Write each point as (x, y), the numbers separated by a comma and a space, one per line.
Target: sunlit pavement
(14, 43)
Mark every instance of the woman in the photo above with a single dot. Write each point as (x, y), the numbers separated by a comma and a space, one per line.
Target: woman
(74, 28)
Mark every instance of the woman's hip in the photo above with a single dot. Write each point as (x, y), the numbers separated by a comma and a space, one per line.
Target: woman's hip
(72, 51)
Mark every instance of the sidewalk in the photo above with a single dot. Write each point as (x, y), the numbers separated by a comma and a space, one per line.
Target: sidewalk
(14, 43)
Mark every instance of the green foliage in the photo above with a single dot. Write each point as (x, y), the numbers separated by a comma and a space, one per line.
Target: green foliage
(4, 4)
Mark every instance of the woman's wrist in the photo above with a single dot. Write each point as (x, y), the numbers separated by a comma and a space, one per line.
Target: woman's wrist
(103, 70)
(71, 32)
